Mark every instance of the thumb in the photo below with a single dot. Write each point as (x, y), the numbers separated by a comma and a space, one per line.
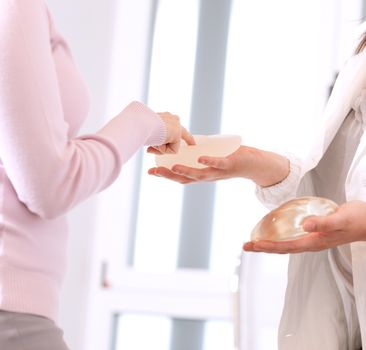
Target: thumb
(327, 223)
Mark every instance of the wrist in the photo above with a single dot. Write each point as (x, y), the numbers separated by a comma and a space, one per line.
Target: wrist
(267, 168)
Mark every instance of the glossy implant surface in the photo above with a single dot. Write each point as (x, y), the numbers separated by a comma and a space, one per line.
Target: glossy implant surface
(206, 145)
(285, 222)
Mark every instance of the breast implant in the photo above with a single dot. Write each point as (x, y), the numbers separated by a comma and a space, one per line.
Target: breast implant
(285, 222)
(206, 145)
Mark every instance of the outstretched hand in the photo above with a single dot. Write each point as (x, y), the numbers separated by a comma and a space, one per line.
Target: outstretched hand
(217, 168)
(347, 224)
(263, 167)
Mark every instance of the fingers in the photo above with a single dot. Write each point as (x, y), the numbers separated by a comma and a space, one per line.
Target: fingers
(185, 175)
(168, 148)
(172, 147)
(332, 222)
(248, 246)
(174, 132)
(153, 150)
(187, 137)
(166, 173)
(205, 174)
(269, 247)
(310, 243)
(215, 162)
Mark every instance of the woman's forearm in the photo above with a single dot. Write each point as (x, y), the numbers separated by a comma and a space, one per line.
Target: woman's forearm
(263, 167)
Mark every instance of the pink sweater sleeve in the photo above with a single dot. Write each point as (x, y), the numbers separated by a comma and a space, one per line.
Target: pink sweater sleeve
(49, 172)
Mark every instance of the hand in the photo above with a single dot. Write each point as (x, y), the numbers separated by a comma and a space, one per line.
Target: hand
(175, 133)
(217, 168)
(264, 168)
(347, 224)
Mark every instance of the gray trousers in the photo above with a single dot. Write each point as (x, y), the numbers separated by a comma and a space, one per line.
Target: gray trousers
(20, 331)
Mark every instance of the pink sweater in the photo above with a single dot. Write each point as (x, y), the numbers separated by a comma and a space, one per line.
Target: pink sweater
(45, 169)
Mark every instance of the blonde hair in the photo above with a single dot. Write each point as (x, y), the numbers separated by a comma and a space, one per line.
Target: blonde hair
(362, 45)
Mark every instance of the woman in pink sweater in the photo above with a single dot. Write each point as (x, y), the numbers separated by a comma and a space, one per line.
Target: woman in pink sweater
(45, 170)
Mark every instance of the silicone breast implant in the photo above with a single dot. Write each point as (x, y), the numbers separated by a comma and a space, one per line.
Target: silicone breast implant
(285, 222)
(206, 145)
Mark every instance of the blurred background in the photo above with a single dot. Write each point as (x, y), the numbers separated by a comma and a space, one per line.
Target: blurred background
(151, 263)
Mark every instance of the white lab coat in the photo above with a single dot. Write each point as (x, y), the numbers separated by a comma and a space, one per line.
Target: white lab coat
(325, 307)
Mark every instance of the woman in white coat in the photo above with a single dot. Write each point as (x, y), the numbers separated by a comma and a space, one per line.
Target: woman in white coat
(325, 305)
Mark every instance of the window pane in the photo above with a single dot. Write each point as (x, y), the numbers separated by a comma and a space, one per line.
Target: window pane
(277, 80)
(219, 335)
(137, 332)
